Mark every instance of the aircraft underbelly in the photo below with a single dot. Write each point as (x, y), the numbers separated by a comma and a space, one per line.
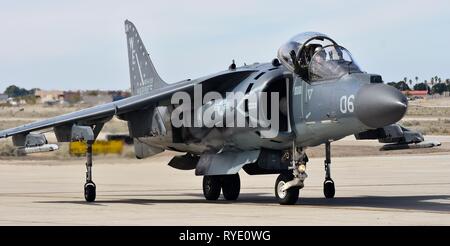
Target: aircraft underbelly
(216, 140)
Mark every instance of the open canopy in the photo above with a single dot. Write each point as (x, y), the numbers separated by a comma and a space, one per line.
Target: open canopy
(315, 56)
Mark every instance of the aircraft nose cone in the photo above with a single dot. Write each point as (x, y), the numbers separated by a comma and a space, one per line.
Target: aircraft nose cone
(379, 105)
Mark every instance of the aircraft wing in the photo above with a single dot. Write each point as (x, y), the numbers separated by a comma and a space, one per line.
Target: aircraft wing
(104, 112)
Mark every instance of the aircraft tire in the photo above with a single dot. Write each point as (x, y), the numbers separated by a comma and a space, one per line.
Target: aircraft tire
(211, 187)
(89, 192)
(329, 189)
(231, 187)
(289, 196)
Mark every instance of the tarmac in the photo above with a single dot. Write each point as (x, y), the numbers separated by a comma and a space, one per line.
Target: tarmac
(377, 190)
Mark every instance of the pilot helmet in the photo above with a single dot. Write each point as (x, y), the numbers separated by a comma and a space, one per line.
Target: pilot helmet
(320, 52)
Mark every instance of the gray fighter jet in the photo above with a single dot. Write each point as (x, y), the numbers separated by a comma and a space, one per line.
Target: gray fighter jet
(313, 93)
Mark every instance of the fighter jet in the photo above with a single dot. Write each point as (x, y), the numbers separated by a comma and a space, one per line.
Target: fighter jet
(312, 93)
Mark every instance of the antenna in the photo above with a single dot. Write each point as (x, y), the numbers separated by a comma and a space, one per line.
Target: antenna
(232, 66)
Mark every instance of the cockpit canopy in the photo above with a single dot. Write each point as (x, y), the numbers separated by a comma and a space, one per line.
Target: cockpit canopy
(314, 57)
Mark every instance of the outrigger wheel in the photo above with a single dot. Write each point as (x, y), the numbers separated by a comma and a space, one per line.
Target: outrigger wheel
(328, 188)
(89, 191)
(328, 185)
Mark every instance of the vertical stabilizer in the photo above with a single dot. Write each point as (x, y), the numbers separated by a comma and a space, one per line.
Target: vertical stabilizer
(143, 75)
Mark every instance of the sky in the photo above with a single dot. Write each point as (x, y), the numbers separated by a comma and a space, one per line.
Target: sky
(81, 44)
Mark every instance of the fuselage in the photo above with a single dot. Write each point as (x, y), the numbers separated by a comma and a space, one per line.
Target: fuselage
(309, 113)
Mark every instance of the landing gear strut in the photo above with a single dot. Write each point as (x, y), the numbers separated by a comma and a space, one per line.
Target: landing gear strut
(288, 184)
(328, 185)
(89, 187)
(88, 134)
(229, 184)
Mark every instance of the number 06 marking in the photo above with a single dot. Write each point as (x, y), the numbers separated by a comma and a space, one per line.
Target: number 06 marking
(346, 104)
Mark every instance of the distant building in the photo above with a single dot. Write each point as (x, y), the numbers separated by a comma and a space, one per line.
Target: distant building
(3, 98)
(421, 93)
(15, 101)
(72, 96)
(95, 97)
(119, 95)
(12, 102)
(416, 94)
(49, 96)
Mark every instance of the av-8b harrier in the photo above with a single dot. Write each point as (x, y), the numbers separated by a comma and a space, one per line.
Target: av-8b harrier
(260, 118)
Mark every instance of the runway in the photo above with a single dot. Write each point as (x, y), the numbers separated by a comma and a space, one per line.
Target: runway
(382, 190)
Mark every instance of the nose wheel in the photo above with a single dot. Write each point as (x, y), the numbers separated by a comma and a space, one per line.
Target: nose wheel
(288, 196)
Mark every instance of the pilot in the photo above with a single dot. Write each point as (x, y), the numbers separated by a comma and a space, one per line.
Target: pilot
(321, 55)
(298, 64)
(320, 67)
(305, 59)
(336, 54)
(312, 49)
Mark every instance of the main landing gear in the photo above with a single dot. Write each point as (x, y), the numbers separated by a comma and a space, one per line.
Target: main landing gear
(229, 184)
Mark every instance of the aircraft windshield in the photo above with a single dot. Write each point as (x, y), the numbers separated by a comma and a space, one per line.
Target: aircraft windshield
(292, 53)
(331, 62)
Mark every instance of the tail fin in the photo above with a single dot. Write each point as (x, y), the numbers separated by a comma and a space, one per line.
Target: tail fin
(143, 75)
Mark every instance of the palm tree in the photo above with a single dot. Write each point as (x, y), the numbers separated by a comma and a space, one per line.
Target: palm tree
(440, 80)
(417, 79)
(405, 79)
(432, 81)
(410, 82)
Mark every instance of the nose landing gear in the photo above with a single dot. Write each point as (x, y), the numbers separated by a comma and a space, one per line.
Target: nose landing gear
(288, 184)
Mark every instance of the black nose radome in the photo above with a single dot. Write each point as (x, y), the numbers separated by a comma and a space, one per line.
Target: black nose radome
(379, 105)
